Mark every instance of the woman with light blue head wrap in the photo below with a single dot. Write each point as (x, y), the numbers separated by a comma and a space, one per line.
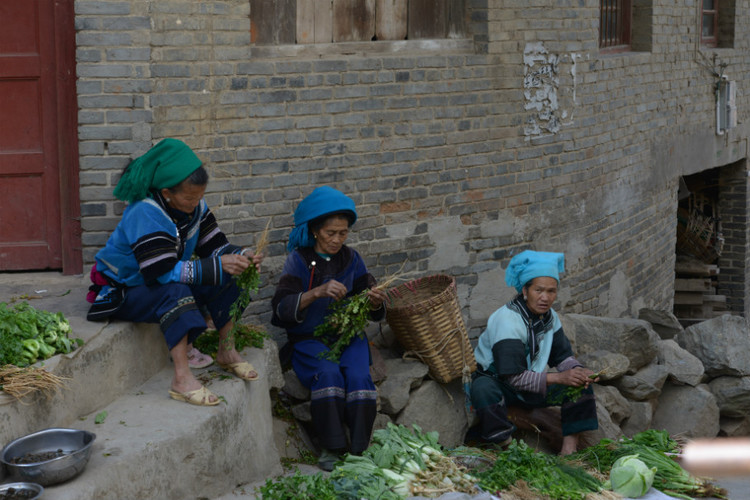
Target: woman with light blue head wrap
(522, 339)
(320, 270)
(529, 264)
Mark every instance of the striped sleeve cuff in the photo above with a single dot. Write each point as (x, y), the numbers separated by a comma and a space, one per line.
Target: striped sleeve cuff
(568, 363)
(206, 271)
(529, 381)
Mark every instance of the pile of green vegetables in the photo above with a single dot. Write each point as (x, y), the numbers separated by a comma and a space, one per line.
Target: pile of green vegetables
(549, 475)
(652, 448)
(244, 336)
(28, 335)
(345, 320)
(399, 463)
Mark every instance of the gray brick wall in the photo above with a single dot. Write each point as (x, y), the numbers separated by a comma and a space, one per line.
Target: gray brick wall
(456, 158)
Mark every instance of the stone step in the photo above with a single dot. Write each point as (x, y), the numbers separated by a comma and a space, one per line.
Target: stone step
(115, 358)
(149, 446)
(152, 447)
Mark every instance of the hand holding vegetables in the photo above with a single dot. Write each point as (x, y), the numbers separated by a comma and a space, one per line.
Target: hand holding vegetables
(575, 377)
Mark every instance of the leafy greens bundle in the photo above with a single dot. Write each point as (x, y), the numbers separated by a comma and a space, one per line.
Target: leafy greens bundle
(28, 335)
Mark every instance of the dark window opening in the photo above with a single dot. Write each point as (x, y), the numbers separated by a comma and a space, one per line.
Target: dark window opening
(614, 24)
(712, 244)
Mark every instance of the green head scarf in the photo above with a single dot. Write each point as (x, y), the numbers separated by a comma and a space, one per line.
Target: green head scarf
(165, 165)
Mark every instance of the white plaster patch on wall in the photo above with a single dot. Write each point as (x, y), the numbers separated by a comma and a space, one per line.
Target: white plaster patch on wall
(619, 290)
(503, 226)
(576, 251)
(448, 235)
(401, 229)
(543, 87)
(489, 293)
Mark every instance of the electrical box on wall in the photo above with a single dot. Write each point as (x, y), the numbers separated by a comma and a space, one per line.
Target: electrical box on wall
(726, 107)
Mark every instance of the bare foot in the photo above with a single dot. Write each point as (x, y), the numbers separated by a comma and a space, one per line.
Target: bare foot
(569, 445)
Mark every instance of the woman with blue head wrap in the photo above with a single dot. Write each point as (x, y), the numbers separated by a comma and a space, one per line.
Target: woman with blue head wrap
(320, 270)
(521, 340)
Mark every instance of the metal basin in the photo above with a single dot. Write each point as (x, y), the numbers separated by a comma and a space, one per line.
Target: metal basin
(75, 446)
(30, 490)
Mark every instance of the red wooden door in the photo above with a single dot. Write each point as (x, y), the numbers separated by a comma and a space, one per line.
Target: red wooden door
(31, 225)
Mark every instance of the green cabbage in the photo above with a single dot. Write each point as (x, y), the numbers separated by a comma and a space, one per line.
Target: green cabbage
(630, 477)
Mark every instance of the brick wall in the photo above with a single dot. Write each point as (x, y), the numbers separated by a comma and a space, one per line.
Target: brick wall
(525, 136)
(733, 278)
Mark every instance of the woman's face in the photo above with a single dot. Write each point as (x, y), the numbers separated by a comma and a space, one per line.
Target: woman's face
(185, 197)
(332, 235)
(540, 294)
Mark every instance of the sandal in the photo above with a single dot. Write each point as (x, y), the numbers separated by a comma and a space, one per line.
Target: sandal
(242, 370)
(200, 397)
(197, 359)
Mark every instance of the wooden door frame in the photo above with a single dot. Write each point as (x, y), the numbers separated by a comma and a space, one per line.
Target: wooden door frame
(67, 136)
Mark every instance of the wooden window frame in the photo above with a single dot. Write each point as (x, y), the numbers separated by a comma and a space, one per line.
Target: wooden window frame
(710, 41)
(615, 18)
(275, 23)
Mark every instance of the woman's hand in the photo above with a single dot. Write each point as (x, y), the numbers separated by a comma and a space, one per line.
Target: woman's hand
(376, 297)
(234, 263)
(332, 289)
(256, 259)
(575, 377)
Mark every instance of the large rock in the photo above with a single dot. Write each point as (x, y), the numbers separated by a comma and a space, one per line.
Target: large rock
(732, 395)
(610, 365)
(377, 366)
(401, 377)
(607, 429)
(438, 407)
(610, 398)
(683, 367)
(688, 411)
(664, 323)
(381, 421)
(641, 416)
(302, 412)
(293, 387)
(644, 384)
(722, 344)
(734, 427)
(633, 338)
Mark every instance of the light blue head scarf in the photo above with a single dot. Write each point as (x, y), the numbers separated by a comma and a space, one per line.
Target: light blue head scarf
(530, 264)
(322, 201)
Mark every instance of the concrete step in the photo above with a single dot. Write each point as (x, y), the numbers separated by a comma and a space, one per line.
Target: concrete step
(152, 447)
(148, 446)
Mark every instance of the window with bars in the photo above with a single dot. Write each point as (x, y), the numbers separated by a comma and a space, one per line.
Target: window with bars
(614, 24)
(283, 22)
(709, 22)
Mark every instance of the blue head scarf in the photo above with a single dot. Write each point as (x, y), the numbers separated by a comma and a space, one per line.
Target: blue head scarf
(322, 201)
(530, 264)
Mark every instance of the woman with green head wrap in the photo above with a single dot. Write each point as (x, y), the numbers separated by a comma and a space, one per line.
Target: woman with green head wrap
(167, 259)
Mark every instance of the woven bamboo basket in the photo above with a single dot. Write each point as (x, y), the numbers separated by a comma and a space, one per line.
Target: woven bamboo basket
(425, 317)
